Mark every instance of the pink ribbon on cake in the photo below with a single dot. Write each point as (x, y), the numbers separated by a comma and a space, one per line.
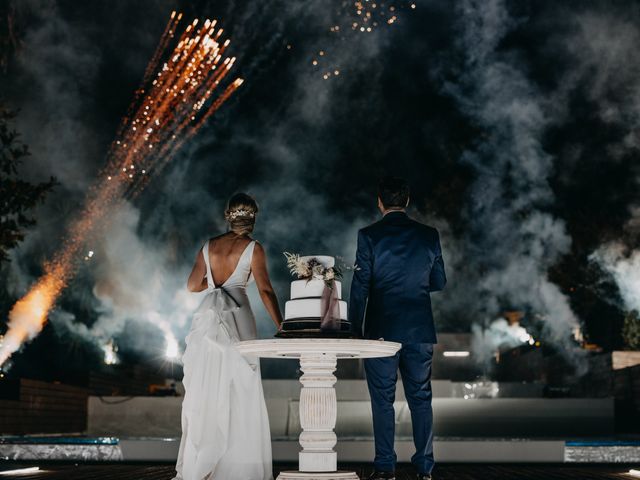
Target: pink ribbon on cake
(330, 320)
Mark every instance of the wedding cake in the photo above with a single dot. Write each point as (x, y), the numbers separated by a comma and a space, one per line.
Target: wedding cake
(316, 308)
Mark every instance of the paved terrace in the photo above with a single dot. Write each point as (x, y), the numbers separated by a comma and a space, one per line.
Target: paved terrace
(443, 472)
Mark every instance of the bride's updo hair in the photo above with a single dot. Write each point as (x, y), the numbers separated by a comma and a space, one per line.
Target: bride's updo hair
(241, 213)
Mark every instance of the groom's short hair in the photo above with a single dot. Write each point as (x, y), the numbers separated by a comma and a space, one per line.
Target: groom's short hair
(393, 192)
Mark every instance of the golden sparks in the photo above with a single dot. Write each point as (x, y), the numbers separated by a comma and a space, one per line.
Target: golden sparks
(360, 16)
(179, 93)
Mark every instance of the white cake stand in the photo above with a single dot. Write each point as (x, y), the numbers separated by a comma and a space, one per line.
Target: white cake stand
(318, 405)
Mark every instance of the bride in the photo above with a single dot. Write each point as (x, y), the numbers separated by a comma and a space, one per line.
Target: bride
(225, 429)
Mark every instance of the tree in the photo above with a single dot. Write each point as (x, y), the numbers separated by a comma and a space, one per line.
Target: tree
(17, 197)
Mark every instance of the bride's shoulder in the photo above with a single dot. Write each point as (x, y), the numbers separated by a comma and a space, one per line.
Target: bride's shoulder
(257, 244)
(257, 247)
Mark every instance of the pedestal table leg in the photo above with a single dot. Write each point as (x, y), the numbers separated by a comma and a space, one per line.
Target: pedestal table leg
(318, 410)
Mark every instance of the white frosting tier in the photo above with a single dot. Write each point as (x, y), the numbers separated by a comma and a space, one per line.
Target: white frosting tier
(311, 288)
(309, 308)
(325, 260)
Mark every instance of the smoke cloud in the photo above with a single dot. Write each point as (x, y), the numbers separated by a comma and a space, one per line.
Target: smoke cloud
(308, 143)
(624, 265)
(605, 47)
(512, 239)
(135, 281)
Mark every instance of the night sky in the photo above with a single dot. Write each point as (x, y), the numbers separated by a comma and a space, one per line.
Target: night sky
(516, 123)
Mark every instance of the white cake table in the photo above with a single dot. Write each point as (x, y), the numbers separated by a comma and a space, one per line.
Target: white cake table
(318, 405)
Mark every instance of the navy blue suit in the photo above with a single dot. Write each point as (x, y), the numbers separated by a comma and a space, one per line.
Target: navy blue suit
(399, 263)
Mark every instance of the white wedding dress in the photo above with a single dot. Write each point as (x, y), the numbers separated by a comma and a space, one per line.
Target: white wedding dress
(225, 428)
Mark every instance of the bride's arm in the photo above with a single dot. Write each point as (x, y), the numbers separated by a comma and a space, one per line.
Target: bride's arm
(261, 275)
(197, 281)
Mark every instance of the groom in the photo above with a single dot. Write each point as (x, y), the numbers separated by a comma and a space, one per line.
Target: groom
(399, 263)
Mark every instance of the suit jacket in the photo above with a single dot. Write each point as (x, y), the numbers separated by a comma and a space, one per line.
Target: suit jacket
(399, 263)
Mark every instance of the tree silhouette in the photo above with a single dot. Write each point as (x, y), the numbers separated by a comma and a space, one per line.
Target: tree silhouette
(17, 197)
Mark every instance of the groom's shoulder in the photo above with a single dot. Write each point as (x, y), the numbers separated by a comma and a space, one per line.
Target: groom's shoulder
(425, 231)
(424, 226)
(370, 229)
(429, 230)
(408, 222)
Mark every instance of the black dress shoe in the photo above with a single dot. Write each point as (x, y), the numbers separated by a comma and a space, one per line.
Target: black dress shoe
(383, 476)
(423, 476)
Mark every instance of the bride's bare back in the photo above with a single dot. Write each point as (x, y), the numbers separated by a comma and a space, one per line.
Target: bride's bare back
(224, 254)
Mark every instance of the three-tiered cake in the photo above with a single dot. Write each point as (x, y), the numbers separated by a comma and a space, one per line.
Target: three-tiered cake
(306, 313)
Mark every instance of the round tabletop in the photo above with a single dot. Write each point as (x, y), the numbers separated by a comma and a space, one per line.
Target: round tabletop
(298, 347)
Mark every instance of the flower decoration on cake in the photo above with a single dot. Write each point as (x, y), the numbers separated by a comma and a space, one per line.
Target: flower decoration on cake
(310, 268)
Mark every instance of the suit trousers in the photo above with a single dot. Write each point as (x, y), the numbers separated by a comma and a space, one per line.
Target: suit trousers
(414, 363)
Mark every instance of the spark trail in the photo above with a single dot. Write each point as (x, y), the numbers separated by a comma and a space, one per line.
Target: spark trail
(179, 93)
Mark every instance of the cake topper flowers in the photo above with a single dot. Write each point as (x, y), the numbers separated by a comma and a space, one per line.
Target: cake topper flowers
(313, 269)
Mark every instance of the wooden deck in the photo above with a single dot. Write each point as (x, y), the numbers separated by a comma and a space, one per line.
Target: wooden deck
(442, 472)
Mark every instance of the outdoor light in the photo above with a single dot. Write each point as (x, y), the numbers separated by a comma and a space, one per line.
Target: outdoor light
(461, 353)
(21, 471)
(634, 473)
(110, 355)
(172, 351)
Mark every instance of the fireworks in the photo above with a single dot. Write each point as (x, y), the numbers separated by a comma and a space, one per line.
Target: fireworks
(179, 93)
(367, 15)
(359, 16)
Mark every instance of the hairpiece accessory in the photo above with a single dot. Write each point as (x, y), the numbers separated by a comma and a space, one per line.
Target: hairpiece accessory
(232, 215)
